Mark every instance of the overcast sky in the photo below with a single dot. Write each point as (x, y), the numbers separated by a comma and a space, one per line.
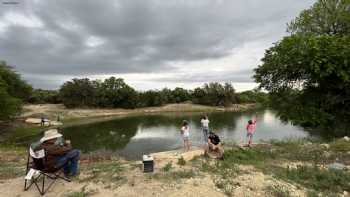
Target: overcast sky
(150, 43)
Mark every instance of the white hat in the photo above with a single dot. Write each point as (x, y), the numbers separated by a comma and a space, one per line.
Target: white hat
(50, 134)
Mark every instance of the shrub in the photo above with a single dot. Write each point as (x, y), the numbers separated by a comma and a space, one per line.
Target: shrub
(181, 161)
(168, 167)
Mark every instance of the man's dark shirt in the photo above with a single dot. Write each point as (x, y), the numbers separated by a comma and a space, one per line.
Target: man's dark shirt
(214, 139)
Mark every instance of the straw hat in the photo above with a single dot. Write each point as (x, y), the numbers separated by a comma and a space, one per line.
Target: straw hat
(50, 134)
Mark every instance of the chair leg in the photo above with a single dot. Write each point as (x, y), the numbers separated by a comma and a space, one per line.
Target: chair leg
(36, 183)
(40, 180)
(63, 178)
(27, 185)
(43, 186)
(27, 169)
(53, 178)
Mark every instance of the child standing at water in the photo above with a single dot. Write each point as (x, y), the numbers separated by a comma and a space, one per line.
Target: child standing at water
(205, 129)
(185, 132)
(251, 126)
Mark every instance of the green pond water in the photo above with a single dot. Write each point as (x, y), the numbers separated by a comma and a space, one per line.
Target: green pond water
(131, 137)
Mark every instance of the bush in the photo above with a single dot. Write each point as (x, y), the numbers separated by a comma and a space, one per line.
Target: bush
(181, 161)
(168, 167)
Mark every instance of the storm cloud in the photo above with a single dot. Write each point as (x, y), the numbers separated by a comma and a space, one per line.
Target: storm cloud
(189, 41)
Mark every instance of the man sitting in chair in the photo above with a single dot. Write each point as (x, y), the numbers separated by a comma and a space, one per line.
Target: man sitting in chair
(214, 146)
(59, 154)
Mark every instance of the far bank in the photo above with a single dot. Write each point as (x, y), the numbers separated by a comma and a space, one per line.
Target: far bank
(78, 115)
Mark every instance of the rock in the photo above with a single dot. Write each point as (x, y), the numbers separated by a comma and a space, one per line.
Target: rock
(336, 166)
(326, 146)
(293, 166)
(345, 193)
(327, 154)
(346, 138)
(56, 123)
(47, 122)
(33, 120)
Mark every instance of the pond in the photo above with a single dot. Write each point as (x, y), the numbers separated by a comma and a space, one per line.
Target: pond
(131, 137)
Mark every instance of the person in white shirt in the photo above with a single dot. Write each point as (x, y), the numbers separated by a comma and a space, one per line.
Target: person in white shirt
(205, 129)
(185, 132)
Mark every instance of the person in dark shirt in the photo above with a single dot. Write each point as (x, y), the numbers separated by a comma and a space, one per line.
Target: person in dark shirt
(214, 145)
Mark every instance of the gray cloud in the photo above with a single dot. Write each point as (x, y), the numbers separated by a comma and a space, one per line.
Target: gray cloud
(242, 76)
(135, 36)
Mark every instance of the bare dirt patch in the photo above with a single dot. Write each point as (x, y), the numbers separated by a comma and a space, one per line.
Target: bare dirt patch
(54, 110)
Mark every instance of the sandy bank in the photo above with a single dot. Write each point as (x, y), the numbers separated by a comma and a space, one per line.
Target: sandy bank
(53, 110)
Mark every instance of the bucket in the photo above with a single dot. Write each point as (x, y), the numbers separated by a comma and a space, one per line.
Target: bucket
(148, 163)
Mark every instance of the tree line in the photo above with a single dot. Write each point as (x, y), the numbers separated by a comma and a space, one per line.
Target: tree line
(308, 73)
(115, 93)
(111, 93)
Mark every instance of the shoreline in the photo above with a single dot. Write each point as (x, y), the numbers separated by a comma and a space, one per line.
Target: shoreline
(80, 116)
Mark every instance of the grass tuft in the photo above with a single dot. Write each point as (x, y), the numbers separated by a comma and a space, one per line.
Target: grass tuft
(174, 175)
(277, 190)
(181, 161)
(168, 167)
(109, 171)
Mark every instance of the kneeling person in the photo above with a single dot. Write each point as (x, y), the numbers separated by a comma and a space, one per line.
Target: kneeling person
(214, 145)
(59, 154)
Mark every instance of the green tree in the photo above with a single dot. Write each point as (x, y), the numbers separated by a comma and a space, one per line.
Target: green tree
(15, 86)
(44, 96)
(167, 95)
(151, 98)
(199, 96)
(9, 106)
(253, 96)
(180, 95)
(78, 93)
(324, 17)
(308, 72)
(13, 92)
(312, 73)
(114, 92)
(215, 94)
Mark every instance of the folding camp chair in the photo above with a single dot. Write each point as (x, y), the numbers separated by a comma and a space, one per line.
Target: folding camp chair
(35, 173)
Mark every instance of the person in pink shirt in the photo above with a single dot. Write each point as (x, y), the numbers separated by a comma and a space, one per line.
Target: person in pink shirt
(251, 126)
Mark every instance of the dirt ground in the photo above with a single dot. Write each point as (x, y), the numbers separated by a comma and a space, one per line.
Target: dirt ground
(136, 183)
(137, 186)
